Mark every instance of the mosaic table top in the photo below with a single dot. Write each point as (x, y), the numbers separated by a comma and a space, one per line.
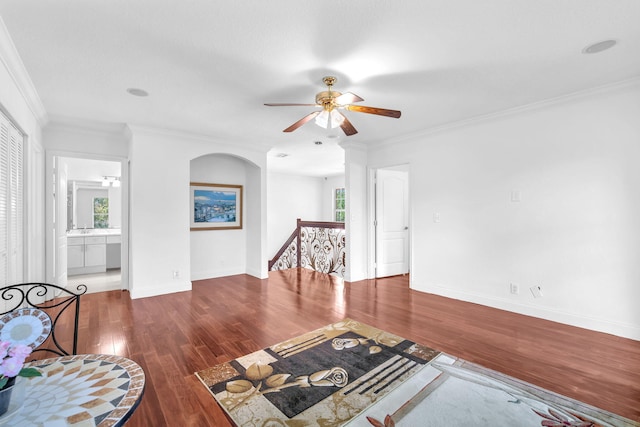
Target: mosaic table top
(87, 390)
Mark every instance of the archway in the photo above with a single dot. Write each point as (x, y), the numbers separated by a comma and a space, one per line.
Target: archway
(224, 252)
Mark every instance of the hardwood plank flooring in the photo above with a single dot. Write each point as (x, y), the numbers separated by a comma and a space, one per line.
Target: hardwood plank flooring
(173, 336)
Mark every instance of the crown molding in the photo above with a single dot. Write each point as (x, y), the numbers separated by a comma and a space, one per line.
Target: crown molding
(76, 125)
(534, 106)
(351, 145)
(195, 137)
(15, 67)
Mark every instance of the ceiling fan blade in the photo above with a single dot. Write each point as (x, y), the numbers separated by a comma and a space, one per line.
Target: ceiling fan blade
(346, 125)
(290, 105)
(348, 98)
(373, 110)
(302, 121)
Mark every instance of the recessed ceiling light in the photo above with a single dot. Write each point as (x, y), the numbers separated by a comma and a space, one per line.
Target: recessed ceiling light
(282, 155)
(599, 47)
(137, 92)
(318, 142)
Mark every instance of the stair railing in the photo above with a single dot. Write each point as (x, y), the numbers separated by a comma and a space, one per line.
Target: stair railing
(317, 245)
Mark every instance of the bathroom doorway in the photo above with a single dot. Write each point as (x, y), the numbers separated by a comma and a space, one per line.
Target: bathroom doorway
(88, 223)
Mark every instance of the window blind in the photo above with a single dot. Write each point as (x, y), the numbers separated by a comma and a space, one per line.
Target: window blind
(11, 203)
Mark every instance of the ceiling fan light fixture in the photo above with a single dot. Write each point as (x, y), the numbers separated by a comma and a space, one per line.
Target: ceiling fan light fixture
(322, 119)
(336, 119)
(329, 119)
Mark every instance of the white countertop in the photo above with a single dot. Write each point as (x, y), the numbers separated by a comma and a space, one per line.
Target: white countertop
(94, 232)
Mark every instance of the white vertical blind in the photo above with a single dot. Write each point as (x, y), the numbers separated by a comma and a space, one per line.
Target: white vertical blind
(11, 203)
(4, 192)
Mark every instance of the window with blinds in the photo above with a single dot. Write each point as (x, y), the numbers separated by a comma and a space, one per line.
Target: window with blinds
(11, 203)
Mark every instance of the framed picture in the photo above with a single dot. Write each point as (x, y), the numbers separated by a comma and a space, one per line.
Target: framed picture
(215, 206)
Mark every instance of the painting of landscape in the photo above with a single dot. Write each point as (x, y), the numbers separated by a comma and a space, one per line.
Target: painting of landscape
(216, 206)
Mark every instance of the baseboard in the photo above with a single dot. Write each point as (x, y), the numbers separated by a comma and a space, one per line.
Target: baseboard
(172, 287)
(93, 288)
(258, 273)
(212, 274)
(620, 329)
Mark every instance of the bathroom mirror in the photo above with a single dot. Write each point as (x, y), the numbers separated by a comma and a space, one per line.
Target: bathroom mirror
(91, 205)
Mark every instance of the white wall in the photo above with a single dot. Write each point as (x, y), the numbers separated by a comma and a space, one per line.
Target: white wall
(256, 221)
(160, 235)
(216, 253)
(115, 207)
(575, 231)
(357, 216)
(290, 197)
(159, 198)
(328, 188)
(87, 139)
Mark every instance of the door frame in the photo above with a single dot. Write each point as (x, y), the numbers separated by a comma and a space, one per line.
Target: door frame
(50, 247)
(59, 243)
(371, 216)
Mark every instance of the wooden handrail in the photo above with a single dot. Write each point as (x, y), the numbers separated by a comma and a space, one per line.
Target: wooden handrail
(320, 224)
(283, 248)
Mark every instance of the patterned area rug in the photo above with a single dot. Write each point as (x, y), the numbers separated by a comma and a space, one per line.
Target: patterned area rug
(351, 373)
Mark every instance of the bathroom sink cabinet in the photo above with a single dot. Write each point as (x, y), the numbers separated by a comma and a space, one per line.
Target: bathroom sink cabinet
(87, 254)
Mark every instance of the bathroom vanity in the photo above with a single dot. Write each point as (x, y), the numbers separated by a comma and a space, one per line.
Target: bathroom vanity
(93, 251)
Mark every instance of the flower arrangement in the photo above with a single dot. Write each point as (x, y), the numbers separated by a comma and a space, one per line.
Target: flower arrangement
(12, 359)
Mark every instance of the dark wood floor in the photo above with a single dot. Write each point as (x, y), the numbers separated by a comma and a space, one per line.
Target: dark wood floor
(173, 336)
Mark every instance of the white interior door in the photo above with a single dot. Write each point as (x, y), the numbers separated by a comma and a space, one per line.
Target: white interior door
(392, 222)
(60, 223)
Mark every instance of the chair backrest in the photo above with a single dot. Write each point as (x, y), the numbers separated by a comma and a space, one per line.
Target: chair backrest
(33, 311)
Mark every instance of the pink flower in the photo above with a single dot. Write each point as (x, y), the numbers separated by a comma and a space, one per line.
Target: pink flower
(4, 346)
(11, 366)
(12, 358)
(20, 351)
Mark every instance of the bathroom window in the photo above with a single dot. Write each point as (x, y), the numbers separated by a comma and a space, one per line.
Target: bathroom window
(338, 201)
(100, 212)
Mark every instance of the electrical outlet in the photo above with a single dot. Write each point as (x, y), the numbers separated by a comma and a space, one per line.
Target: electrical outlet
(536, 291)
(176, 274)
(515, 289)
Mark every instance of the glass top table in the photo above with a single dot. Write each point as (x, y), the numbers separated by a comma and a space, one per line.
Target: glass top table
(86, 390)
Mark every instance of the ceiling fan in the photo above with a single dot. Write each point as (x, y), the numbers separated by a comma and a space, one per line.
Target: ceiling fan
(331, 101)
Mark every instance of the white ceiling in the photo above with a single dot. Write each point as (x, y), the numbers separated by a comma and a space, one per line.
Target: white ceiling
(89, 169)
(209, 66)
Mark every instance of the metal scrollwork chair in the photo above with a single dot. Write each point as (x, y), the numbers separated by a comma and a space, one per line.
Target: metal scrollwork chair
(31, 312)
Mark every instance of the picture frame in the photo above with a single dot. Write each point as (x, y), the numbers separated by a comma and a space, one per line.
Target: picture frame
(215, 206)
